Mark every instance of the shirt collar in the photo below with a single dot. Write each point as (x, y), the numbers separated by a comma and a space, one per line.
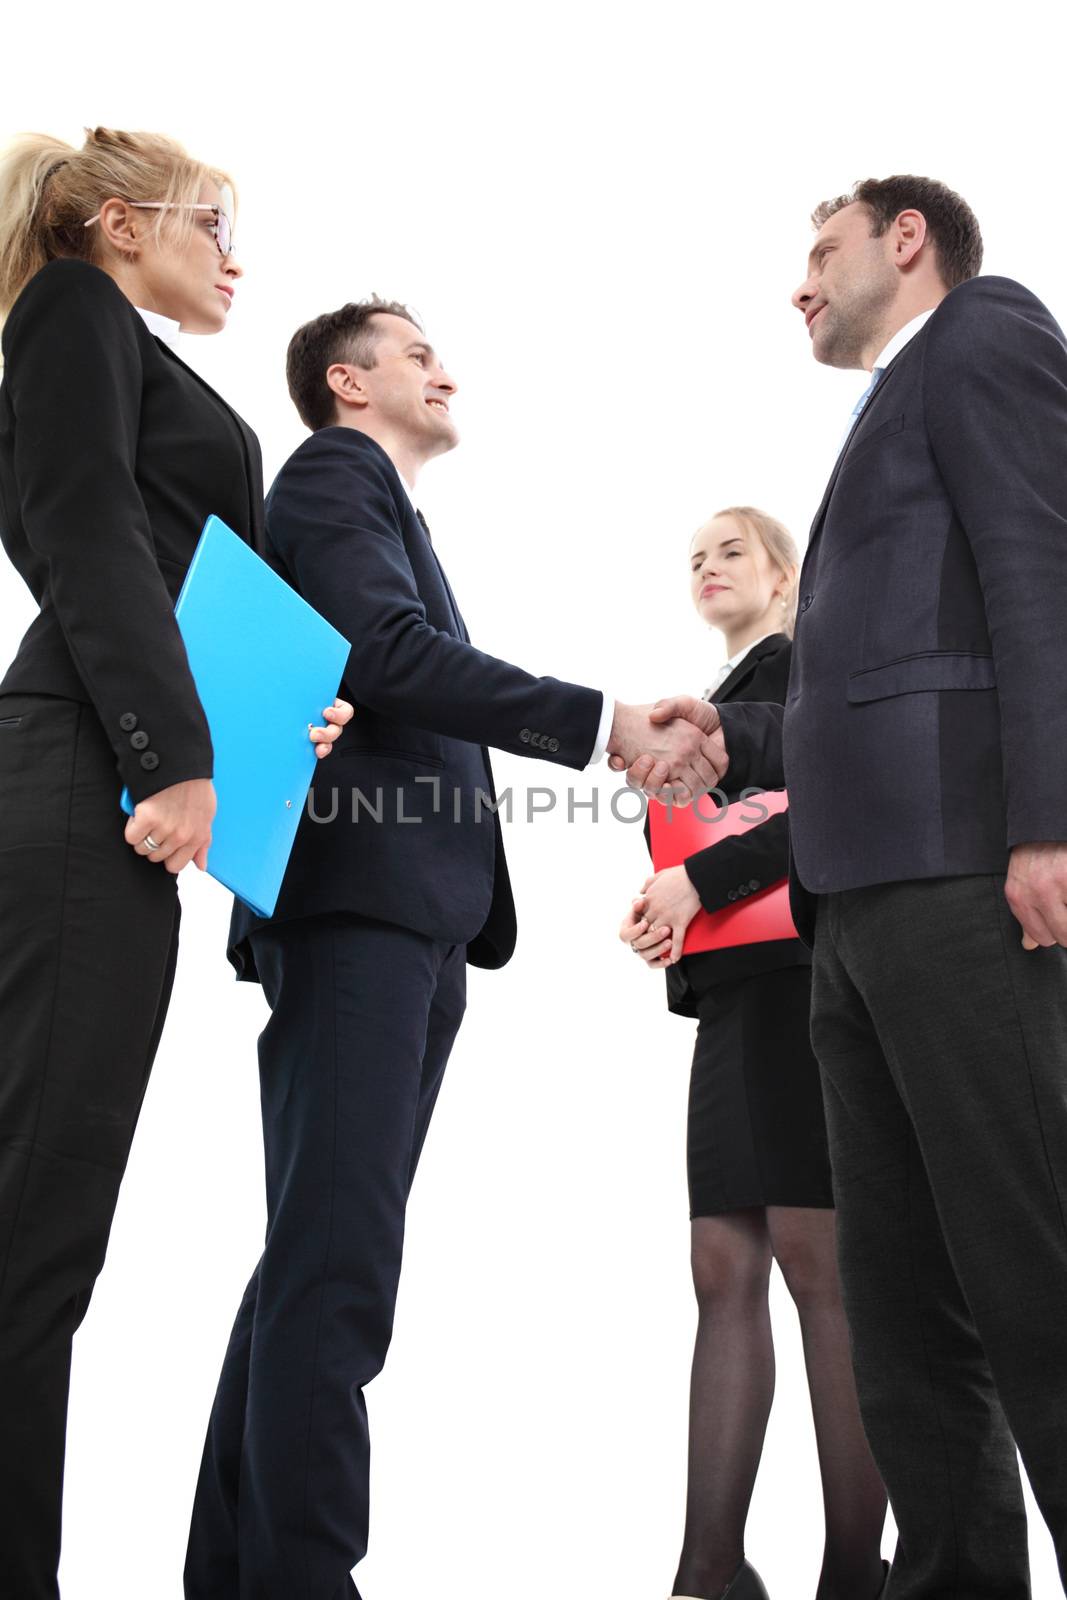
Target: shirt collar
(163, 327)
(728, 666)
(902, 337)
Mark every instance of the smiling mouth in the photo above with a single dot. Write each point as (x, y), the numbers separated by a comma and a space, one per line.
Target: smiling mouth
(712, 588)
(438, 405)
(815, 315)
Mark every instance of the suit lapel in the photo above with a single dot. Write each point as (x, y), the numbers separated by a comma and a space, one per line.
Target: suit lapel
(857, 433)
(456, 618)
(253, 460)
(744, 669)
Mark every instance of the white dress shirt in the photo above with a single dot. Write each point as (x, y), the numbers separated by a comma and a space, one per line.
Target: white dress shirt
(902, 337)
(728, 666)
(163, 327)
(607, 710)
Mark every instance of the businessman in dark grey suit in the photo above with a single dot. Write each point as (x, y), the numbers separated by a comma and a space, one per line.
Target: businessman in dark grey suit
(397, 880)
(924, 745)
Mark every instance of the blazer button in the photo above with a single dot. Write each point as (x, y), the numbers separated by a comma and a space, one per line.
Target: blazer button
(753, 883)
(553, 745)
(806, 602)
(150, 761)
(731, 894)
(525, 735)
(743, 889)
(139, 740)
(542, 741)
(128, 721)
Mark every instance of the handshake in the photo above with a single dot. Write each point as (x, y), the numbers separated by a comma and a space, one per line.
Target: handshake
(674, 749)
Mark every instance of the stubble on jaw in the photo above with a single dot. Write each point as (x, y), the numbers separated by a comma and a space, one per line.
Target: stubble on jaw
(850, 323)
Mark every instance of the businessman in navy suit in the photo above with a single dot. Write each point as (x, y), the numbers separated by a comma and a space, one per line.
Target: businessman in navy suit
(397, 880)
(924, 745)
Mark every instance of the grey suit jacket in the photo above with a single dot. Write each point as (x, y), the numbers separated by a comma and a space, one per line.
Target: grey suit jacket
(925, 726)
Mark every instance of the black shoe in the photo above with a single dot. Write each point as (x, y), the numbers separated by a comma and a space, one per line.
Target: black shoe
(746, 1584)
(884, 1590)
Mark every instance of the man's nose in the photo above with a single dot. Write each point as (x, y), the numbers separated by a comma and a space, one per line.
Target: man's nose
(802, 297)
(443, 381)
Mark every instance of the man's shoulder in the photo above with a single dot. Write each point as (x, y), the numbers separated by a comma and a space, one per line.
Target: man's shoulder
(339, 455)
(343, 472)
(347, 445)
(987, 308)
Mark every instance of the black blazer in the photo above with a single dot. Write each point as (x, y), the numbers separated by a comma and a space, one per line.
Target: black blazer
(925, 729)
(112, 454)
(403, 836)
(731, 869)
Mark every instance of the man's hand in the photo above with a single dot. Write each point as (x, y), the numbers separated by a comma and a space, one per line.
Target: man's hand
(1036, 891)
(664, 745)
(174, 826)
(337, 715)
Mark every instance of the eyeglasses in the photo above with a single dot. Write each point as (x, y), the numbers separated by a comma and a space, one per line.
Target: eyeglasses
(222, 228)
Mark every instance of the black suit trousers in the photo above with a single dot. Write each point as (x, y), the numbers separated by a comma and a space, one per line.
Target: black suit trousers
(942, 1045)
(363, 1017)
(88, 942)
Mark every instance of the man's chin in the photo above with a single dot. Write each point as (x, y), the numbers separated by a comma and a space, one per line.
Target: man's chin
(445, 439)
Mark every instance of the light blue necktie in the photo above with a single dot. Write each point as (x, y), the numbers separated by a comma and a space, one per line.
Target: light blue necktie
(861, 404)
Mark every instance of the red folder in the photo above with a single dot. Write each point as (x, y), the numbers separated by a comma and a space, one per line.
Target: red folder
(680, 831)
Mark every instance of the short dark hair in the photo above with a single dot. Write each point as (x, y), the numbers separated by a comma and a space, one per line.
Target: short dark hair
(950, 222)
(345, 335)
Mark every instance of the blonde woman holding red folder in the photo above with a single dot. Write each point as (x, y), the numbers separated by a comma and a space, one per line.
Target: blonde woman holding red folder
(759, 1172)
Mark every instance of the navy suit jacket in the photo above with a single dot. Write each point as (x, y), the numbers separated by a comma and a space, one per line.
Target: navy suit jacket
(925, 726)
(399, 824)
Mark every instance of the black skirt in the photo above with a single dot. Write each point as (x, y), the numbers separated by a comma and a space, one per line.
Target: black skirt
(756, 1134)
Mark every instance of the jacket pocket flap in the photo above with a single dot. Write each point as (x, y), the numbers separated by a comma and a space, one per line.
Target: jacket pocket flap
(933, 669)
(862, 436)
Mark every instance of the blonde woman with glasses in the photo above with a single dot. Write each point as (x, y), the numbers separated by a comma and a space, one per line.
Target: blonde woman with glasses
(112, 453)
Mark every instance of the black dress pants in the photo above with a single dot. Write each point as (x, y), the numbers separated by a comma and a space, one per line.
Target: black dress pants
(363, 1017)
(88, 942)
(943, 1050)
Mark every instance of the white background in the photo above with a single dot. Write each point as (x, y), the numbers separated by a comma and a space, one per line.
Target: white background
(600, 212)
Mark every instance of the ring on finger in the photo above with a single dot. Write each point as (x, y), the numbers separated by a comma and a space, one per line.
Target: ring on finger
(151, 843)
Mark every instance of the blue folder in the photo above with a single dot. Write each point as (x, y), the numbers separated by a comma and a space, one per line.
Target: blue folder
(265, 664)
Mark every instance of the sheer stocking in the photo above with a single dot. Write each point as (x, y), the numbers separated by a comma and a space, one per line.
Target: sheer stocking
(854, 1498)
(732, 1387)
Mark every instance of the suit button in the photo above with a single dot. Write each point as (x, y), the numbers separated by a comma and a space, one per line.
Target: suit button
(542, 741)
(753, 883)
(525, 735)
(150, 761)
(139, 740)
(128, 721)
(806, 602)
(731, 894)
(553, 745)
(743, 888)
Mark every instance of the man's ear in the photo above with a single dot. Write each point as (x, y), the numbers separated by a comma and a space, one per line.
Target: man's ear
(344, 380)
(909, 236)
